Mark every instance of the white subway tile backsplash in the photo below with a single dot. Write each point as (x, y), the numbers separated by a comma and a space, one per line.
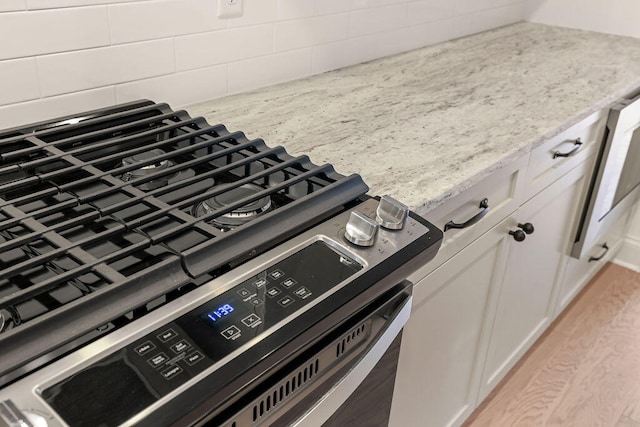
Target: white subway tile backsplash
(344, 53)
(224, 46)
(85, 69)
(53, 4)
(11, 5)
(49, 108)
(290, 35)
(292, 9)
(402, 40)
(468, 6)
(327, 7)
(256, 12)
(145, 20)
(363, 4)
(497, 17)
(47, 31)
(179, 89)
(269, 70)
(420, 12)
(19, 81)
(377, 20)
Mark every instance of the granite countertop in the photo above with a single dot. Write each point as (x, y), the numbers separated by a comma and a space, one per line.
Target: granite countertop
(425, 125)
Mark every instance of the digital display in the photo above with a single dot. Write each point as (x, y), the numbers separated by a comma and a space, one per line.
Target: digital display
(220, 312)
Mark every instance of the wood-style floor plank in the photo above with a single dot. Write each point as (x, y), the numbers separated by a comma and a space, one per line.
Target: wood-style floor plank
(585, 370)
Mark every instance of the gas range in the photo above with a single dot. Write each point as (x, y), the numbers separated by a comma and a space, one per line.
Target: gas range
(168, 250)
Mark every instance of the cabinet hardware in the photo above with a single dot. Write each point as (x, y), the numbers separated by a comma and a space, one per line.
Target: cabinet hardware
(484, 205)
(578, 144)
(598, 258)
(527, 227)
(518, 235)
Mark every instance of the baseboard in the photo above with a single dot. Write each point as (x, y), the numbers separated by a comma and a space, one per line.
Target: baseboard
(629, 255)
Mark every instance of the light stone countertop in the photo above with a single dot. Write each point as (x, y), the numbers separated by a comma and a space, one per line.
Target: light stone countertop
(425, 125)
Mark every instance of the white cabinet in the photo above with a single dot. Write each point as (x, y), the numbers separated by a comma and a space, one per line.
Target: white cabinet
(486, 297)
(526, 301)
(444, 342)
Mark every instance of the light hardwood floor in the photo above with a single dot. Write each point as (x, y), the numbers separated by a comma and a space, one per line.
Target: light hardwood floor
(585, 370)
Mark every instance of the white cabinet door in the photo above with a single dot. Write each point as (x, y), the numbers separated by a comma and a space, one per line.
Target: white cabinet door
(527, 297)
(444, 342)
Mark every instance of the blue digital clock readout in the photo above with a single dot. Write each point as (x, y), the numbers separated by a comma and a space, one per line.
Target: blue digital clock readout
(220, 312)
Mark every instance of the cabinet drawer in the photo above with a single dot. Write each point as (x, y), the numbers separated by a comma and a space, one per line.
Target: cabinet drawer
(578, 272)
(548, 162)
(503, 191)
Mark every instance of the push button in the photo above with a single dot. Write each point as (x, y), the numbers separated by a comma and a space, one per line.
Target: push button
(286, 301)
(232, 332)
(272, 292)
(171, 372)
(158, 360)
(180, 346)
(276, 274)
(256, 302)
(167, 335)
(244, 292)
(252, 320)
(289, 283)
(194, 358)
(144, 348)
(260, 282)
(303, 293)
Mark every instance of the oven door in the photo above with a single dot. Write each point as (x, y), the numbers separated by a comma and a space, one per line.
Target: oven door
(616, 182)
(346, 378)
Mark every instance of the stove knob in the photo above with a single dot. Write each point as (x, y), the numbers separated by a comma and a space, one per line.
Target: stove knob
(391, 214)
(361, 230)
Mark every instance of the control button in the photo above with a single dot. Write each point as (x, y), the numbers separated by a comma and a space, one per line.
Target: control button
(194, 358)
(361, 230)
(171, 372)
(303, 293)
(256, 302)
(391, 214)
(232, 332)
(276, 274)
(144, 348)
(252, 320)
(244, 292)
(158, 360)
(286, 301)
(260, 282)
(180, 346)
(289, 283)
(167, 335)
(272, 292)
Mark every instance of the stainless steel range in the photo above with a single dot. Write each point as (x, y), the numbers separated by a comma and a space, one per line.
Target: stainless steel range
(156, 270)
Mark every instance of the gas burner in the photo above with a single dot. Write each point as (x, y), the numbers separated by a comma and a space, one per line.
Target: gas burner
(148, 169)
(7, 320)
(239, 215)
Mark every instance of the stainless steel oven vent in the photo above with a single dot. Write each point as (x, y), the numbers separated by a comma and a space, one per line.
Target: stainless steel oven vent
(351, 340)
(285, 389)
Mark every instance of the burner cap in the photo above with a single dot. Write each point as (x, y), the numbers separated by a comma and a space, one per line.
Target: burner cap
(239, 215)
(147, 169)
(7, 321)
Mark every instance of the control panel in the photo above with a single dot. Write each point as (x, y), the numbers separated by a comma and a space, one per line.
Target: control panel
(154, 365)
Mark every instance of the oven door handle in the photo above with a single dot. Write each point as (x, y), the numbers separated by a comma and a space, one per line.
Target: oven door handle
(326, 406)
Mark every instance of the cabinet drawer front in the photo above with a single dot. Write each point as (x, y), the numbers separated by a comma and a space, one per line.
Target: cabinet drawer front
(560, 154)
(503, 191)
(578, 272)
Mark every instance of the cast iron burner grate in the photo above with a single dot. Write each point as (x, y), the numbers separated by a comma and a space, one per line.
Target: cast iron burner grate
(106, 214)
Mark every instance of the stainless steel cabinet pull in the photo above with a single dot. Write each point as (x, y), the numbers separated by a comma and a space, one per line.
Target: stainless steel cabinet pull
(578, 144)
(598, 258)
(484, 205)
